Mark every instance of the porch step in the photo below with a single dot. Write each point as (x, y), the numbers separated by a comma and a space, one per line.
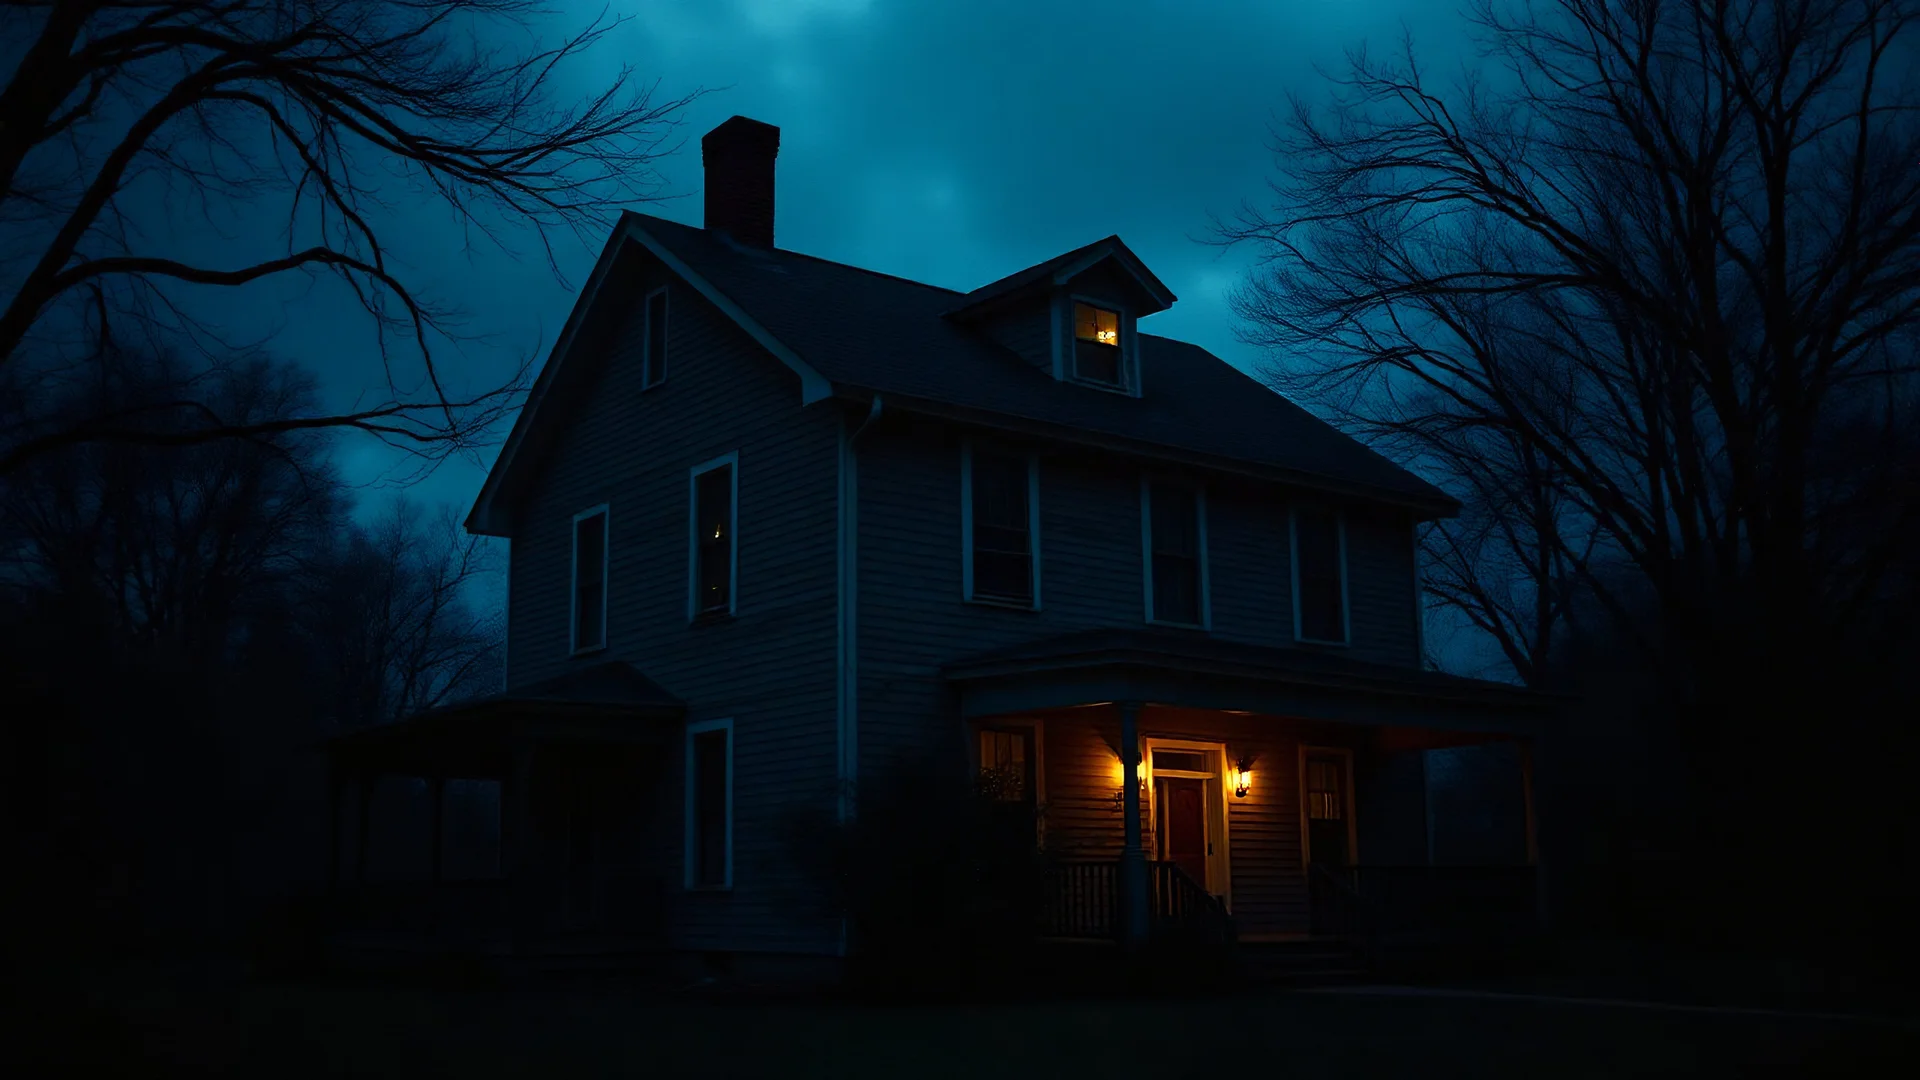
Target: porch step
(1311, 962)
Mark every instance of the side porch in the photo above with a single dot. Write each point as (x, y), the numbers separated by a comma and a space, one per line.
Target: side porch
(1190, 789)
(583, 769)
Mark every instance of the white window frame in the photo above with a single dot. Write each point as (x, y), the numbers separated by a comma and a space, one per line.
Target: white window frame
(1064, 350)
(966, 529)
(692, 821)
(574, 648)
(653, 370)
(731, 459)
(1146, 551)
(1293, 562)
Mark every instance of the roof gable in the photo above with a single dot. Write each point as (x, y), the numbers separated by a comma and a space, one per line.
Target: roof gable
(533, 429)
(1060, 270)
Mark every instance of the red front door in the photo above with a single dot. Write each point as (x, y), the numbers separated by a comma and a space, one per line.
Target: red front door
(1183, 825)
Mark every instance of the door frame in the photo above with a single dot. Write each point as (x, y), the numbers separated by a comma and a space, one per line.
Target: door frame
(1218, 812)
(1352, 808)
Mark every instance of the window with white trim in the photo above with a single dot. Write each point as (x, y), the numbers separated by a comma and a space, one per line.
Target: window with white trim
(712, 558)
(653, 348)
(1319, 575)
(710, 805)
(589, 619)
(1176, 553)
(1000, 521)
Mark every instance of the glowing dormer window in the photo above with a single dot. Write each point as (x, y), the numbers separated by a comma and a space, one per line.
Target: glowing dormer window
(1096, 345)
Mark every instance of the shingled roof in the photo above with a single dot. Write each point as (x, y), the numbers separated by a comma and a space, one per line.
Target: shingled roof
(868, 331)
(854, 333)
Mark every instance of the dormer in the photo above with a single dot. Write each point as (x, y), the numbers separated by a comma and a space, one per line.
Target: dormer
(1073, 316)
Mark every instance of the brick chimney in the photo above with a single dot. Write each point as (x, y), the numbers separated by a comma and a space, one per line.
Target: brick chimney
(738, 156)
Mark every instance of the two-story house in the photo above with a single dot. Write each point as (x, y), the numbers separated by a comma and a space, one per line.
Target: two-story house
(781, 525)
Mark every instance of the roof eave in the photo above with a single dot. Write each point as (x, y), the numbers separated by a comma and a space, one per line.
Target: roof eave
(1440, 505)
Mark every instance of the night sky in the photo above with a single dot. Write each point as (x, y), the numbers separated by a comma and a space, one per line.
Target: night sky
(948, 142)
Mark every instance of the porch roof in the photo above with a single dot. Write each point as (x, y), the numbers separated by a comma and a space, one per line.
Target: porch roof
(1195, 670)
(611, 702)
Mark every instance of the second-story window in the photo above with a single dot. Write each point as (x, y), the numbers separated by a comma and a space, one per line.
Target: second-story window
(1319, 575)
(714, 545)
(1000, 548)
(1096, 345)
(589, 629)
(1176, 567)
(653, 348)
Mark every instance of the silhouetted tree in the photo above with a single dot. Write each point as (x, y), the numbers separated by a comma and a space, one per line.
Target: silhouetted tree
(318, 113)
(1646, 293)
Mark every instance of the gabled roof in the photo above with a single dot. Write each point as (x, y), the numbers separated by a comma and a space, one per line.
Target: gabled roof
(852, 333)
(1064, 268)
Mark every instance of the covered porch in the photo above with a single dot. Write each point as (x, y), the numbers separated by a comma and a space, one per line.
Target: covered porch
(581, 765)
(1178, 781)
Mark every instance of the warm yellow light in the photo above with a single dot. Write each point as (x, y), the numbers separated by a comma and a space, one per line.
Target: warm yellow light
(1242, 781)
(1109, 337)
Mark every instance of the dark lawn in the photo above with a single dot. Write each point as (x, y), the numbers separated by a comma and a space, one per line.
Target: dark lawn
(285, 1031)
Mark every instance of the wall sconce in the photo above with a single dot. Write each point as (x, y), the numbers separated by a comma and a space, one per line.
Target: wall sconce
(1242, 777)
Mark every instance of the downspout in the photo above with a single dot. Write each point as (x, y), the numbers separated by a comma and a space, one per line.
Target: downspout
(849, 687)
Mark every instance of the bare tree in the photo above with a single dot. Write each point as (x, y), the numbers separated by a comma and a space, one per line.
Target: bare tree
(1619, 291)
(1644, 289)
(392, 610)
(311, 110)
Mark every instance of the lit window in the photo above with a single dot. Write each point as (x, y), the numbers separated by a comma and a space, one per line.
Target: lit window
(1096, 344)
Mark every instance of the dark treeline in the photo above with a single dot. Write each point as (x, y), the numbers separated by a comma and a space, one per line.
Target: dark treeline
(180, 627)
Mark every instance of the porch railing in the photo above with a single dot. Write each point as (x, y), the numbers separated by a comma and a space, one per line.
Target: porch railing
(1182, 908)
(1081, 900)
(1085, 900)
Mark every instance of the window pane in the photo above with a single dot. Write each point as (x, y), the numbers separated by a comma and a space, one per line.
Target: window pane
(1005, 772)
(710, 808)
(1176, 589)
(1185, 760)
(714, 519)
(1317, 534)
(1002, 552)
(1096, 324)
(656, 338)
(1096, 362)
(589, 555)
(1176, 520)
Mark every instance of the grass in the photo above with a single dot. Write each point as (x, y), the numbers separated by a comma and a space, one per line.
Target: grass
(114, 1027)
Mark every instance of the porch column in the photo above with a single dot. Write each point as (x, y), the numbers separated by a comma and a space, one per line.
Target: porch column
(437, 793)
(1133, 858)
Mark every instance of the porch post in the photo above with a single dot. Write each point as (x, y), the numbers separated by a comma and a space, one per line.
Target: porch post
(1133, 858)
(437, 792)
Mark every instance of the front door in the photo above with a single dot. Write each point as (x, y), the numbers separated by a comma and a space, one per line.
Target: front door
(1183, 825)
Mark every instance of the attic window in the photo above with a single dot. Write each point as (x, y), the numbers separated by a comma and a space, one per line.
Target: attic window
(1096, 345)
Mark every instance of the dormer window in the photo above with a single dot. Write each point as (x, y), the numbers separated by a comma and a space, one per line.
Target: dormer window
(1096, 345)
